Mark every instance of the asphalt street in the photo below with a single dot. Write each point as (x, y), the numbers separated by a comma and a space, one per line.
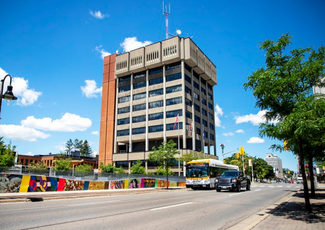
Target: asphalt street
(173, 209)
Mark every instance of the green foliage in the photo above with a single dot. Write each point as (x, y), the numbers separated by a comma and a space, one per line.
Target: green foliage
(165, 153)
(83, 168)
(109, 168)
(120, 170)
(162, 171)
(62, 164)
(7, 155)
(40, 165)
(83, 146)
(138, 168)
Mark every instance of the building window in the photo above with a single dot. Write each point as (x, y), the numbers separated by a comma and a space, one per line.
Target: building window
(123, 121)
(124, 79)
(204, 102)
(197, 119)
(156, 92)
(139, 75)
(187, 67)
(203, 91)
(174, 113)
(138, 119)
(188, 79)
(196, 75)
(123, 99)
(136, 131)
(196, 96)
(156, 116)
(205, 123)
(210, 96)
(170, 126)
(210, 116)
(173, 77)
(211, 137)
(156, 104)
(197, 130)
(173, 89)
(173, 66)
(156, 81)
(139, 107)
(155, 70)
(204, 112)
(124, 88)
(188, 102)
(196, 85)
(124, 132)
(139, 85)
(139, 96)
(174, 101)
(211, 126)
(203, 81)
(187, 90)
(196, 107)
(209, 87)
(188, 114)
(123, 110)
(210, 106)
(156, 128)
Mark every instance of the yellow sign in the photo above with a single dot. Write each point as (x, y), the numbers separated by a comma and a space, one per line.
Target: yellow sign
(237, 155)
(286, 147)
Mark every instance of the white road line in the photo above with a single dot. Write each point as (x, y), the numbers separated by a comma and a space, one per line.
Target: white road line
(170, 206)
(235, 194)
(257, 190)
(72, 205)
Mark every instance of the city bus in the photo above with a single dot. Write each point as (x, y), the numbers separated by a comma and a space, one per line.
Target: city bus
(202, 173)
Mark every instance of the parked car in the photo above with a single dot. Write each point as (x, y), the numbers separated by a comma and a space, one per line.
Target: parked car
(233, 180)
(290, 181)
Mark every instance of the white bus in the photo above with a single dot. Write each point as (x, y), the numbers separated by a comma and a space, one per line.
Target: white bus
(202, 173)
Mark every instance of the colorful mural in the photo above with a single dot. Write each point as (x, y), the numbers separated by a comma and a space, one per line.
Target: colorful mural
(11, 183)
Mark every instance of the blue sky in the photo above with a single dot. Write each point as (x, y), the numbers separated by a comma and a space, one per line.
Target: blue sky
(54, 52)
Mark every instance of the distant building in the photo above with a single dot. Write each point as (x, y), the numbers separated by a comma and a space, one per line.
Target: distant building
(276, 163)
(48, 160)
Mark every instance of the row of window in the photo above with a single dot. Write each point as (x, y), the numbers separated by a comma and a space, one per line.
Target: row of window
(155, 104)
(151, 129)
(136, 60)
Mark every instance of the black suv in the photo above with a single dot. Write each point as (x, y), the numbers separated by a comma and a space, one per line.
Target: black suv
(232, 180)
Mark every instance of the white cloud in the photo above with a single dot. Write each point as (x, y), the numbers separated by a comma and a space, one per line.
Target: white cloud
(255, 119)
(102, 52)
(61, 146)
(21, 133)
(20, 89)
(68, 123)
(27, 154)
(90, 89)
(240, 131)
(255, 140)
(217, 112)
(95, 133)
(132, 43)
(228, 134)
(98, 14)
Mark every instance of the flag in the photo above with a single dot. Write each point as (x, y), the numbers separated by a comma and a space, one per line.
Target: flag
(176, 122)
(203, 133)
(191, 127)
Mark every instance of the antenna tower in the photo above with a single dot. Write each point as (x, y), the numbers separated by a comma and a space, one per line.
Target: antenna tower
(166, 12)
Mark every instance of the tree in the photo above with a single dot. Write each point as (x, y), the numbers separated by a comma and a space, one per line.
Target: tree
(85, 148)
(164, 155)
(38, 167)
(163, 171)
(7, 154)
(69, 146)
(62, 164)
(83, 168)
(283, 86)
(138, 168)
(109, 168)
(77, 144)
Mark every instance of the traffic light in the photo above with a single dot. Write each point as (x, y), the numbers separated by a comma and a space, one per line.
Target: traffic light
(288, 172)
(237, 155)
(241, 150)
(286, 147)
(224, 161)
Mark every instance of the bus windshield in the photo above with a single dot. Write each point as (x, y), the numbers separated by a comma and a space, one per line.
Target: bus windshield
(197, 171)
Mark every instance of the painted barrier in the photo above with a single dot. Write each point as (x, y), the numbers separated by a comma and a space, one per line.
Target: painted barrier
(13, 183)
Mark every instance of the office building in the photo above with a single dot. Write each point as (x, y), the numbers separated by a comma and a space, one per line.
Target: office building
(144, 91)
(276, 163)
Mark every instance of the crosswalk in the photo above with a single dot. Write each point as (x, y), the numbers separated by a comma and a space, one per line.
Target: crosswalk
(276, 186)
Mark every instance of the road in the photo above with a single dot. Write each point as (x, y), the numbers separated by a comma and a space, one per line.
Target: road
(178, 209)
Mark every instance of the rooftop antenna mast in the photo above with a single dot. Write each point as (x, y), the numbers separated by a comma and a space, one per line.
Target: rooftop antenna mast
(166, 12)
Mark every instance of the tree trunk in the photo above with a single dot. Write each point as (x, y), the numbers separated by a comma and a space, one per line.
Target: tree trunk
(167, 172)
(306, 193)
(311, 176)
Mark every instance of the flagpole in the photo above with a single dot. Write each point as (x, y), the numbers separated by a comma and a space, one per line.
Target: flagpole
(179, 153)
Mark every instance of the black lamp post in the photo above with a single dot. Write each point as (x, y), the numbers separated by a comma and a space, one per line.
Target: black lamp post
(8, 95)
(222, 147)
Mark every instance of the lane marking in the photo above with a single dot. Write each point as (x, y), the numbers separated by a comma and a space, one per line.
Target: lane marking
(257, 190)
(235, 194)
(72, 205)
(170, 206)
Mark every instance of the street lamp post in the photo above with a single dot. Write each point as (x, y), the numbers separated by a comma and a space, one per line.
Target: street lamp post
(8, 95)
(222, 147)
